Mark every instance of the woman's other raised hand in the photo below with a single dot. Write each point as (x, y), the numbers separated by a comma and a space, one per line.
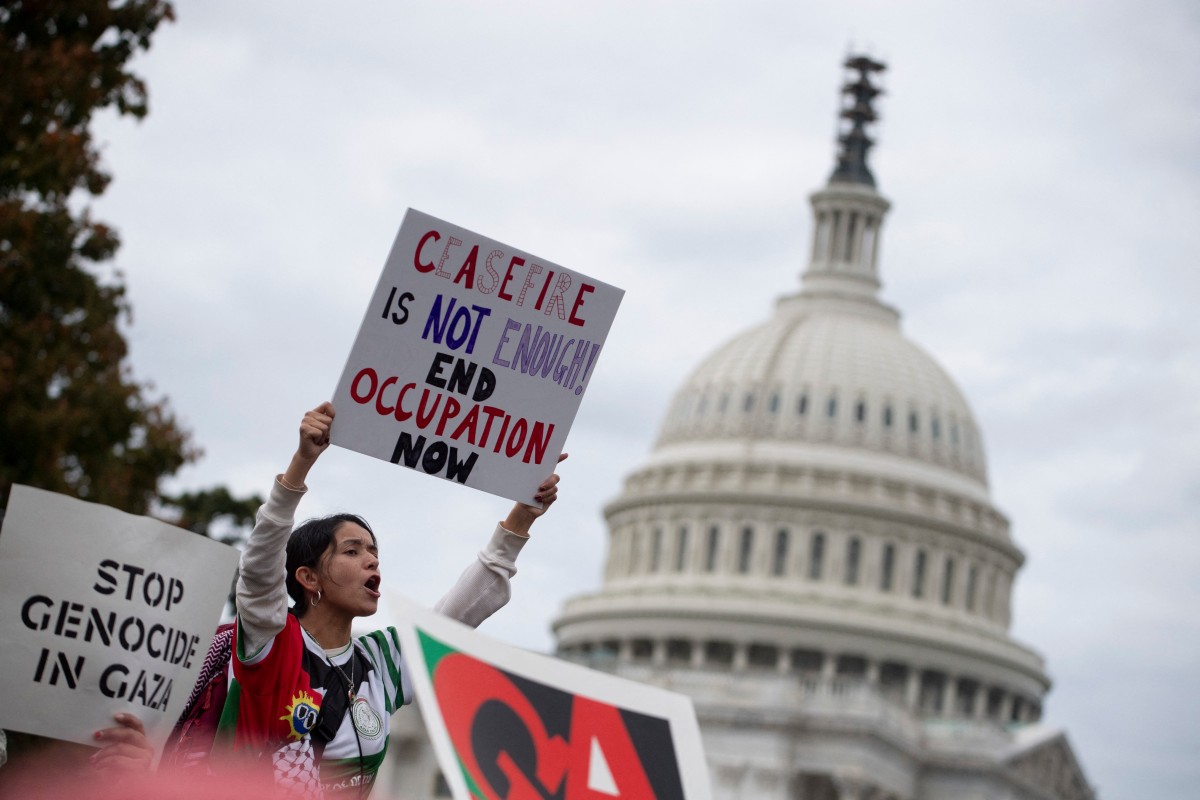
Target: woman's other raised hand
(522, 516)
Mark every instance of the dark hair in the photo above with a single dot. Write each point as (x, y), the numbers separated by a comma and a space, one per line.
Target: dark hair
(307, 544)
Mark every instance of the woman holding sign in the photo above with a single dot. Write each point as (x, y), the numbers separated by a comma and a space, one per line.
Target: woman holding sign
(306, 695)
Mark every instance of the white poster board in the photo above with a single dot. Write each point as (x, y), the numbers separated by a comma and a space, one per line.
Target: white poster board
(102, 611)
(505, 722)
(471, 359)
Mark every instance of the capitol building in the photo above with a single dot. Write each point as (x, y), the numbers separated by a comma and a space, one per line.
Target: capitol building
(810, 552)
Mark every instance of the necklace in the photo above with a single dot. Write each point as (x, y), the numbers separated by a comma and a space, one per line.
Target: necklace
(362, 717)
(349, 680)
(350, 684)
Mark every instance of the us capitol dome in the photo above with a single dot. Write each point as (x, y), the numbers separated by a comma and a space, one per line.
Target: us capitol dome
(811, 552)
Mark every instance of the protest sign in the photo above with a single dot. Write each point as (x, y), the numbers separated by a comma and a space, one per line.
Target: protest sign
(509, 723)
(471, 359)
(101, 611)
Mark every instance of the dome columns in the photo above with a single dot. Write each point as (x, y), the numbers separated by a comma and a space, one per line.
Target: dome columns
(847, 219)
(920, 569)
(923, 690)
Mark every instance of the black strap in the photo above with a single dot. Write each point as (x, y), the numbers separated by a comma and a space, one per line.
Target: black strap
(335, 703)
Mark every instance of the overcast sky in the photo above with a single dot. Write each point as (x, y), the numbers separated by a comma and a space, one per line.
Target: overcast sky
(1043, 160)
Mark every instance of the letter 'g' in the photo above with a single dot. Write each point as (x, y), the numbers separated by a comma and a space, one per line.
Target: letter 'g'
(43, 621)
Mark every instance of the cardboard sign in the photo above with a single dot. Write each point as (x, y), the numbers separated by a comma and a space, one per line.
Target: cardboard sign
(471, 359)
(102, 611)
(509, 723)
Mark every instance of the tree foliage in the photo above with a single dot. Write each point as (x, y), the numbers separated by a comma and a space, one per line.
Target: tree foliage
(205, 511)
(72, 417)
(217, 514)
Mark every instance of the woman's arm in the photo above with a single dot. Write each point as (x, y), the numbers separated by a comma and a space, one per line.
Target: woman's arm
(262, 600)
(483, 588)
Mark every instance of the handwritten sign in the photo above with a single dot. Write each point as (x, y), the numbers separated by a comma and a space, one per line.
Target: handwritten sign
(101, 611)
(509, 723)
(471, 359)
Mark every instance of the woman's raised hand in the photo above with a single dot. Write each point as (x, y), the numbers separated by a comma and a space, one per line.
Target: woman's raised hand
(314, 431)
(314, 440)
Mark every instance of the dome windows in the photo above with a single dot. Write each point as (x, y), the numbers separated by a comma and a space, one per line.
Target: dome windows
(851, 666)
(863, 384)
(762, 656)
(710, 549)
(948, 582)
(871, 419)
(951, 580)
(807, 661)
(745, 550)
(888, 568)
(853, 557)
(972, 581)
(816, 556)
(918, 582)
(681, 550)
(840, 561)
(718, 653)
(780, 554)
(635, 541)
(679, 651)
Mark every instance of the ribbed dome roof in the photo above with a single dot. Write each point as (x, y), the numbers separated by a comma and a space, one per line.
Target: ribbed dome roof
(829, 371)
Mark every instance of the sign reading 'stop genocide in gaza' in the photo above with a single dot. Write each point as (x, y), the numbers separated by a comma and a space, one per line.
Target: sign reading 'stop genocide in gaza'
(102, 611)
(471, 359)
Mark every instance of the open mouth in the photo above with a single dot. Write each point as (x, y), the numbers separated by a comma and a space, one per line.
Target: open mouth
(372, 585)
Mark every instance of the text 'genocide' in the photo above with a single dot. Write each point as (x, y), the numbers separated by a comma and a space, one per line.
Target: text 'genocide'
(122, 632)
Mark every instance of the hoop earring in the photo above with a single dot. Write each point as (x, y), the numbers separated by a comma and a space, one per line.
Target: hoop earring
(316, 599)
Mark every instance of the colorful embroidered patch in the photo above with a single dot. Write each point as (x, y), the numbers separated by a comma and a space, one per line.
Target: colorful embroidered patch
(302, 715)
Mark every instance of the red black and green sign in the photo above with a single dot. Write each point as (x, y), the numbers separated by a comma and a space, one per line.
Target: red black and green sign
(517, 738)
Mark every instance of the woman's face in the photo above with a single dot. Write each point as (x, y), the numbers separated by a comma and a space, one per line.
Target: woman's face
(350, 573)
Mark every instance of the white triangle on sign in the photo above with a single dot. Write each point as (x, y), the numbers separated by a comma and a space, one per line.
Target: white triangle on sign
(600, 777)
